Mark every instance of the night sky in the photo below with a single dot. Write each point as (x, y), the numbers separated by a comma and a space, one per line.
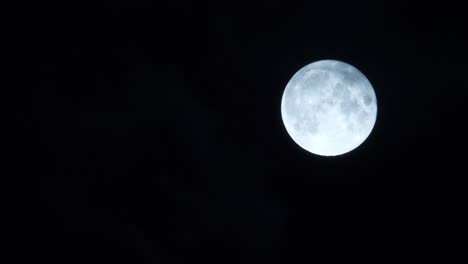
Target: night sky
(152, 133)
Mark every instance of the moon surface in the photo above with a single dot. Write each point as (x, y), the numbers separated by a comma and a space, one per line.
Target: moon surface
(329, 108)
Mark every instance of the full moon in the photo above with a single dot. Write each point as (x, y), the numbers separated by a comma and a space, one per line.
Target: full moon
(329, 108)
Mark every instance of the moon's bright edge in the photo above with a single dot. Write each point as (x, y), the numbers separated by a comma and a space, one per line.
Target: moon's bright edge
(329, 108)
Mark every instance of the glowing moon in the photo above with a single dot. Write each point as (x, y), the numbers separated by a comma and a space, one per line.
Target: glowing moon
(329, 108)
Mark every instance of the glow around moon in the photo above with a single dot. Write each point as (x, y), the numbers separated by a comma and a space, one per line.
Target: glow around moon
(329, 108)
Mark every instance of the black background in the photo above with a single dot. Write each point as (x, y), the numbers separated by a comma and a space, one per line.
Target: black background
(151, 133)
